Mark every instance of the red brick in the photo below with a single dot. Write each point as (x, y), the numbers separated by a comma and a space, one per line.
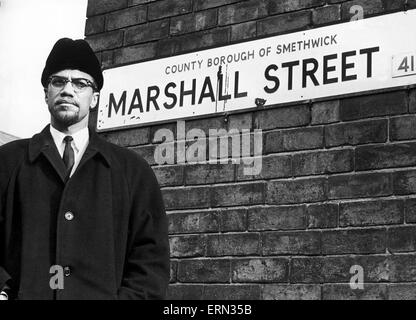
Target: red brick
(284, 23)
(402, 268)
(386, 156)
(168, 8)
(240, 121)
(169, 175)
(393, 5)
(291, 292)
(146, 32)
(325, 112)
(354, 241)
(233, 244)
(232, 292)
(411, 4)
(193, 22)
(355, 133)
(193, 41)
(147, 152)
(260, 270)
(282, 117)
(157, 129)
(233, 220)
(238, 194)
(107, 58)
(197, 151)
(368, 213)
(293, 5)
(135, 53)
(95, 25)
(204, 270)
(184, 198)
(126, 17)
(203, 4)
(98, 7)
(390, 103)
(185, 292)
(359, 185)
(370, 7)
(173, 269)
(412, 98)
(272, 166)
(293, 139)
(136, 2)
(276, 218)
(337, 269)
(243, 11)
(404, 182)
(402, 239)
(323, 162)
(209, 173)
(403, 128)
(106, 41)
(327, 14)
(343, 291)
(322, 216)
(312, 270)
(296, 191)
(410, 210)
(129, 137)
(242, 31)
(193, 222)
(206, 124)
(186, 246)
(304, 243)
(402, 291)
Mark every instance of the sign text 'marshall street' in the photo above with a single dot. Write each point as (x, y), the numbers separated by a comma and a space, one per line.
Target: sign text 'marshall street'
(329, 61)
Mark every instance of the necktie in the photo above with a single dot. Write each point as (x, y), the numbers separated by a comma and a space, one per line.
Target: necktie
(68, 154)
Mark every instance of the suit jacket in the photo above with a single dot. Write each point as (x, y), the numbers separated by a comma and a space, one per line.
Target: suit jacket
(106, 226)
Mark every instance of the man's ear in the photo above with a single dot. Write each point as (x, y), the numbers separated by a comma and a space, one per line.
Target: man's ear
(46, 94)
(94, 100)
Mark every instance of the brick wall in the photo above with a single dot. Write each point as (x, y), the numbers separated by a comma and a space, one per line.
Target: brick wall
(338, 185)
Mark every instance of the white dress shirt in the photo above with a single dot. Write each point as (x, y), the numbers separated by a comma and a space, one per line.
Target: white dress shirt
(79, 144)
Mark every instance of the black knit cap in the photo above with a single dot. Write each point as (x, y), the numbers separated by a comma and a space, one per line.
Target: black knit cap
(73, 54)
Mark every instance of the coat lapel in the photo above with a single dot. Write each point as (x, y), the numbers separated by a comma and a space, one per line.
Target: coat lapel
(42, 143)
(95, 146)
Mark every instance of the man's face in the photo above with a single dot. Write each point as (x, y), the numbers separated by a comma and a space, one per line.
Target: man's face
(68, 105)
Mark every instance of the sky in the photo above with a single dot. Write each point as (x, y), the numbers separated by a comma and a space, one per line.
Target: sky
(28, 31)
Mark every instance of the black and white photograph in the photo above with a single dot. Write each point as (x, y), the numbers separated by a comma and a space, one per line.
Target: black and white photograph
(226, 151)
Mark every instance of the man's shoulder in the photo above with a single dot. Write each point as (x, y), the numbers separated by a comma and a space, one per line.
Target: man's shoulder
(124, 155)
(11, 155)
(14, 148)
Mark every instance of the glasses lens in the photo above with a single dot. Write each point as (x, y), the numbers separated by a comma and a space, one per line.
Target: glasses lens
(80, 84)
(58, 83)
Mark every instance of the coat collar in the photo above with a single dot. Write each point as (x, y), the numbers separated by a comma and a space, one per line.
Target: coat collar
(43, 143)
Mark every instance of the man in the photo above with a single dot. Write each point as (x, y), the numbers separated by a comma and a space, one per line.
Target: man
(80, 218)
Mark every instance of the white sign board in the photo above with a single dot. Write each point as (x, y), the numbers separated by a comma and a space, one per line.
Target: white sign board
(350, 57)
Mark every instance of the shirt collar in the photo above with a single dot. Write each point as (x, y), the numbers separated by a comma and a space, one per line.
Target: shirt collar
(80, 137)
(44, 140)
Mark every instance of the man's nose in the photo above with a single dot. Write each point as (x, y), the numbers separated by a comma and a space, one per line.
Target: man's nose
(68, 89)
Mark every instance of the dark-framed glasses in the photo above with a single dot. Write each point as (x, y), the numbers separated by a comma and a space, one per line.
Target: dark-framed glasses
(78, 84)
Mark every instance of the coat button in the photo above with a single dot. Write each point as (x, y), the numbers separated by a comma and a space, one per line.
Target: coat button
(67, 271)
(69, 216)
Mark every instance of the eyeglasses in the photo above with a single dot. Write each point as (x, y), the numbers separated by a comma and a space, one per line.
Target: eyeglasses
(78, 84)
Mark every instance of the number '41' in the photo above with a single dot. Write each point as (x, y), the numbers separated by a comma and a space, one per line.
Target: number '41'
(404, 65)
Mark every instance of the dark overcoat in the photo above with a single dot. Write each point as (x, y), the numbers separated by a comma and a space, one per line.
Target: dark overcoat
(105, 227)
